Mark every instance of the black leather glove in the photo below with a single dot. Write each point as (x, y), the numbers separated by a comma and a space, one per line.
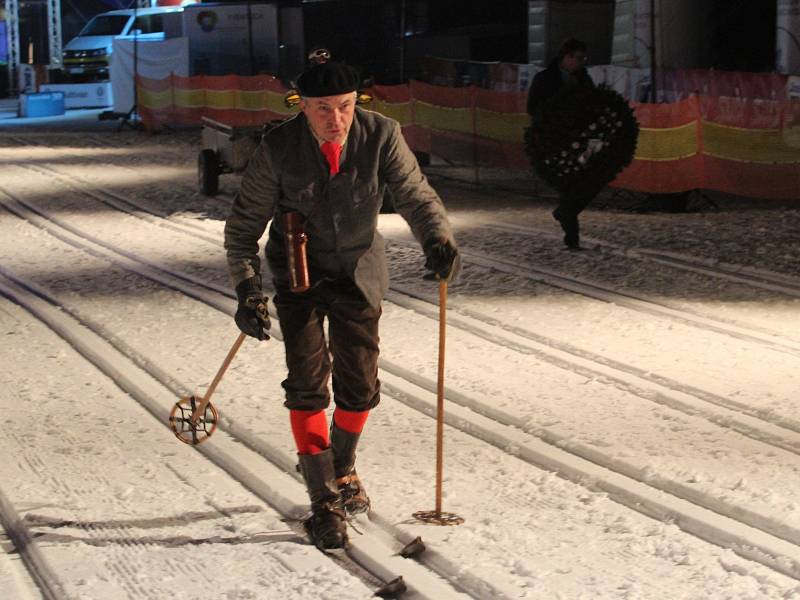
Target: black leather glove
(251, 316)
(442, 259)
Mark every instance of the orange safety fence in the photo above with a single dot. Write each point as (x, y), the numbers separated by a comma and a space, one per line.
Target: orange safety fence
(232, 99)
(745, 146)
(671, 84)
(735, 84)
(668, 151)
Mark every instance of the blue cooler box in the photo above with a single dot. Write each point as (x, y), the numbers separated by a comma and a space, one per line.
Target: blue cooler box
(43, 104)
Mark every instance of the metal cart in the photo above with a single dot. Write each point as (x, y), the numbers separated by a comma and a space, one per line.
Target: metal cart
(226, 149)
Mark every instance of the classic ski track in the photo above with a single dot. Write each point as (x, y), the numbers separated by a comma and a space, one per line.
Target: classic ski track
(127, 577)
(735, 329)
(746, 332)
(759, 278)
(177, 281)
(768, 280)
(373, 555)
(574, 285)
(47, 582)
(757, 541)
(679, 396)
(603, 293)
(118, 540)
(124, 204)
(121, 545)
(542, 344)
(693, 401)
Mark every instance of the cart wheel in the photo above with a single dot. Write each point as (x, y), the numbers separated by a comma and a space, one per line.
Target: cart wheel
(208, 172)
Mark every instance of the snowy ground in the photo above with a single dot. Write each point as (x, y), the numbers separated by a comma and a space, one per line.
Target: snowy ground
(621, 422)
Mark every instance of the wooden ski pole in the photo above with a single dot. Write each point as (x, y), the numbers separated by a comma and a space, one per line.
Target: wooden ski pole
(437, 516)
(440, 396)
(201, 406)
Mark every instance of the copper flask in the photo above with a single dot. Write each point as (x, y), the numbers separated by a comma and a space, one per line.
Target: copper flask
(295, 238)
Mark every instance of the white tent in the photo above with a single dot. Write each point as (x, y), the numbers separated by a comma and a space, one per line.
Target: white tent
(155, 59)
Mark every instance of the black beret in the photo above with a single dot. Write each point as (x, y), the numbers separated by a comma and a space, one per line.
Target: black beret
(328, 79)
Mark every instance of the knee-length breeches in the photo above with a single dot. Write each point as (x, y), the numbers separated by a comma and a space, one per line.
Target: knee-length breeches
(350, 355)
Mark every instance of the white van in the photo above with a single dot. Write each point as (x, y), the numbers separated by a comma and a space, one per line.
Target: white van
(87, 56)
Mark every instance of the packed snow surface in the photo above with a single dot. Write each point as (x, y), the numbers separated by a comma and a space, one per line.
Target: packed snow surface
(621, 421)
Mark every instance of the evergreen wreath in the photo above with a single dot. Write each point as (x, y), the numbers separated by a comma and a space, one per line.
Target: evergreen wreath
(582, 138)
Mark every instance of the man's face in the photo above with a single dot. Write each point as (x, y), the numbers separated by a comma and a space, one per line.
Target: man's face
(330, 116)
(573, 61)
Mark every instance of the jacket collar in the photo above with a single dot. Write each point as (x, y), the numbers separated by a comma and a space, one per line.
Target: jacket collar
(309, 142)
(354, 138)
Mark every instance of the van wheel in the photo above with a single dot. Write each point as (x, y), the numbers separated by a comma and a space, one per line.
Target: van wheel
(208, 172)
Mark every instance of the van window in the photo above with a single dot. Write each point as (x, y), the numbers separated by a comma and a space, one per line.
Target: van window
(105, 25)
(148, 24)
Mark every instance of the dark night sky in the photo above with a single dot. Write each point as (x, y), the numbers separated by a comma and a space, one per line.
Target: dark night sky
(743, 35)
(741, 32)
(445, 14)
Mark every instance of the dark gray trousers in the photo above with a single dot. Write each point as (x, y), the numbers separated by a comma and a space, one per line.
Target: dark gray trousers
(349, 355)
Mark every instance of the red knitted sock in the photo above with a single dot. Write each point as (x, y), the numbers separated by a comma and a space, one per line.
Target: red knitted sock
(349, 420)
(310, 430)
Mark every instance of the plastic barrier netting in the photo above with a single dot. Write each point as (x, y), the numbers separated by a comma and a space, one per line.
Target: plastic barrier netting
(748, 146)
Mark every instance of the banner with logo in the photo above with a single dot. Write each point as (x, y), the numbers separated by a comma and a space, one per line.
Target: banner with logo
(82, 95)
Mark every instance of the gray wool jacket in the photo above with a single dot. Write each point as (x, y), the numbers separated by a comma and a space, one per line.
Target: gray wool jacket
(288, 172)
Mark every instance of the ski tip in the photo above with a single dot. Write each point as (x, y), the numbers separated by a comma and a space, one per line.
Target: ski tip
(393, 589)
(414, 548)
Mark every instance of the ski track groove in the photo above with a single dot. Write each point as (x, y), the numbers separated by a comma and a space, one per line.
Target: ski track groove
(765, 279)
(722, 420)
(791, 571)
(603, 293)
(659, 389)
(123, 536)
(135, 213)
(358, 561)
(450, 576)
(543, 345)
(40, 572)
(760, 278)
(195, 230)
(544, 276)
(703, 395)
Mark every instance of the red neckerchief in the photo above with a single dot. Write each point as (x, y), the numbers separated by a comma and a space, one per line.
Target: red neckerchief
(332, 151)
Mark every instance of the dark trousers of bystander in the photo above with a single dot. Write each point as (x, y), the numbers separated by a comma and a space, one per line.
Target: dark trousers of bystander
(571, 203)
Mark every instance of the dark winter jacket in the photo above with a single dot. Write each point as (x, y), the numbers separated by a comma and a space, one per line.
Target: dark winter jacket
(548, 82)
(288, 172)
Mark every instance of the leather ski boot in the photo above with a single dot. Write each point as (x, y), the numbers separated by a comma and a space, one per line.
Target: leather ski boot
(326, 527)
(343, 445)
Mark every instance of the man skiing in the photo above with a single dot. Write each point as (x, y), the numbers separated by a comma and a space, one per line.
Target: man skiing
(326, 168)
